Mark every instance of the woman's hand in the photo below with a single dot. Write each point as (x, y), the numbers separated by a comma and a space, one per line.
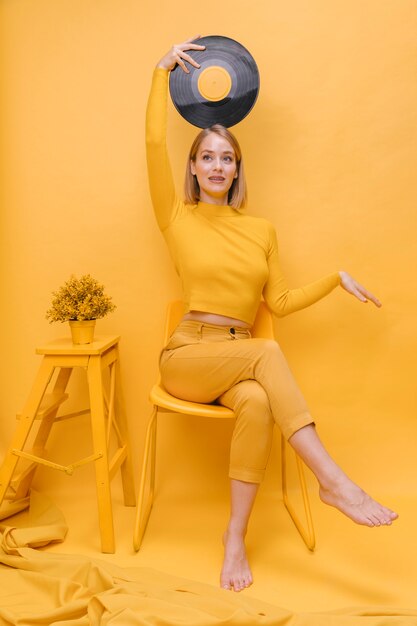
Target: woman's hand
(351, 286)
(178, 54)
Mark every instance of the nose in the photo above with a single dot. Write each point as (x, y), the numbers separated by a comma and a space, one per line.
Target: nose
(218, 165)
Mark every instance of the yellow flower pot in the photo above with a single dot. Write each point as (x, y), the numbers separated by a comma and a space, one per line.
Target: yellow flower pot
(82, 332)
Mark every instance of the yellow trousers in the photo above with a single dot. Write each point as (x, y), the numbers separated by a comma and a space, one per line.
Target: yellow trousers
(209, 363)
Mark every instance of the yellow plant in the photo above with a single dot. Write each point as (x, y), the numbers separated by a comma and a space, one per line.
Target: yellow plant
(79, 299)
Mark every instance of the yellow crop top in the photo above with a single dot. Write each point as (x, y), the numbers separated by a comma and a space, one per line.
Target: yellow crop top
(226, 260)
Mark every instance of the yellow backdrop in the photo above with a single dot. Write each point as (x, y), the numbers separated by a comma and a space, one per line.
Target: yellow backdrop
(330, 159)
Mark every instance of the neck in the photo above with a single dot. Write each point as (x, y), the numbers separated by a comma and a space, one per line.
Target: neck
(220, 201)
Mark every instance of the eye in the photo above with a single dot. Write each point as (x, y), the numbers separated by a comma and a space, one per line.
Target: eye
(228, 159)
(206, 157)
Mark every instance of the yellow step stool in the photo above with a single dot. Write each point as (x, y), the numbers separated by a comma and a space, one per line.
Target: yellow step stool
(106, 413)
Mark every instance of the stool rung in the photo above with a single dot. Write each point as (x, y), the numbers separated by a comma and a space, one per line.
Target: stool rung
(69, 416)
(68, 469)
(117, 460)
(50, 402)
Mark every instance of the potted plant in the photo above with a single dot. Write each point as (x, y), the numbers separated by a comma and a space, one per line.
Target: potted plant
(80, 301)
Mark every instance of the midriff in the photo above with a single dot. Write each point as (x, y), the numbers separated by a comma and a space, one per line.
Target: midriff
(213, 318)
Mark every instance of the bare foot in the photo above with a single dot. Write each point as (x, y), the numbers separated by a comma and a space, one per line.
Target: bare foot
(356, 504)
(236, 573)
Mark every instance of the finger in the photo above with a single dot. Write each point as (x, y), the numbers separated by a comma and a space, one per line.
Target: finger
(190, 59)
(192, 39)
(180, 57)
(358, 290)
(375, 300)
(181, 63)
(180, 60)
(359, 295)
(189, 44)
(369, 296)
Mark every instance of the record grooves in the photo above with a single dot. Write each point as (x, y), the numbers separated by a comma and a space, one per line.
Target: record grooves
(223, 90)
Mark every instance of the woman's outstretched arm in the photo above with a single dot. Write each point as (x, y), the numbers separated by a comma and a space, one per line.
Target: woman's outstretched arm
(283, 301)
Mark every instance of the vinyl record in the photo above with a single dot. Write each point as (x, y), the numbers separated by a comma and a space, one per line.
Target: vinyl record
(222, 90)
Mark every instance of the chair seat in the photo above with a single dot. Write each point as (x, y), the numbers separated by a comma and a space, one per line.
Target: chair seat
(161, 398)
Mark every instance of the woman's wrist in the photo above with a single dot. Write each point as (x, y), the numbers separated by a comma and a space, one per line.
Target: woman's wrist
(162, 66)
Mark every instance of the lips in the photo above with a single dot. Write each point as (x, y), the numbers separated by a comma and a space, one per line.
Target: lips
(217, 179)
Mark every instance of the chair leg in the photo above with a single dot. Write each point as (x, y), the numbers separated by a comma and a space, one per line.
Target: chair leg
(148, 467)
(307, 534)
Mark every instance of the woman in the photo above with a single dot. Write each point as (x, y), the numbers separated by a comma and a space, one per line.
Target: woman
(226, 261)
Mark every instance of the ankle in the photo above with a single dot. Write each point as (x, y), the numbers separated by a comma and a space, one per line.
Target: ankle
(333, 480)
(234, 529)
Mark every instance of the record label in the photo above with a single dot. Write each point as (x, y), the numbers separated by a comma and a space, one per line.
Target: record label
(214, 83)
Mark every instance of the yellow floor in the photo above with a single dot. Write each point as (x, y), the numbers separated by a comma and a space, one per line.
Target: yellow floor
(352, 565)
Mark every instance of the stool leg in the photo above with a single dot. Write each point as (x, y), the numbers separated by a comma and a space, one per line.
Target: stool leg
(126, 468)
(48, 421)
(98, 426)
(38, 449)
(25, 424)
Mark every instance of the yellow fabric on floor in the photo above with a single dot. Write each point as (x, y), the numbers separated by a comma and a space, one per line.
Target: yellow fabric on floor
(41, 524)
(40, 588)
(57, 589)
(9, 508)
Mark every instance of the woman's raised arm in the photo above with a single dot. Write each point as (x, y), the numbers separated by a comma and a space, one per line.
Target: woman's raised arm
(161, 182)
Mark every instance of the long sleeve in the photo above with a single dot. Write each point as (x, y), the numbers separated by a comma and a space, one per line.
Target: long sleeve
(161, 184)
(282, 300)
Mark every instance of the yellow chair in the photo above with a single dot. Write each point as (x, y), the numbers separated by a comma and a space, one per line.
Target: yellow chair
(164, 402)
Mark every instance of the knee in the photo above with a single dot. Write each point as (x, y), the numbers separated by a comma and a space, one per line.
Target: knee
(273, 347)
(268, 346)
(269, 351)
(253, 402)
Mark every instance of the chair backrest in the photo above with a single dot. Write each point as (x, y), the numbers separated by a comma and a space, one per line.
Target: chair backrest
(262, 327)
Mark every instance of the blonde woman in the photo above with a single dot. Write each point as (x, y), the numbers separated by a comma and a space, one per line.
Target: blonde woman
(227, 260)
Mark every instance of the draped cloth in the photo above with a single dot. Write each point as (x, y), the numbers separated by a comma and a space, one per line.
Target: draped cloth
(38, 588)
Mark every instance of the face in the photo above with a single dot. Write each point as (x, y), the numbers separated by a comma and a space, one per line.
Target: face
(215, 168)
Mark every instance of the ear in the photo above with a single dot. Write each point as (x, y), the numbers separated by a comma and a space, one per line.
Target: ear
(192, 167)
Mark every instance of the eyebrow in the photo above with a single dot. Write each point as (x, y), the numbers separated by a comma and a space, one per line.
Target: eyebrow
(224, 151)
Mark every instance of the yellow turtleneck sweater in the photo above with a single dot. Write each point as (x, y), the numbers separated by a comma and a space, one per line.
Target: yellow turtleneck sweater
(226, 260)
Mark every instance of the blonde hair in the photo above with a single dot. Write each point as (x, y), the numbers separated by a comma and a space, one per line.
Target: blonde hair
(237, 195)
